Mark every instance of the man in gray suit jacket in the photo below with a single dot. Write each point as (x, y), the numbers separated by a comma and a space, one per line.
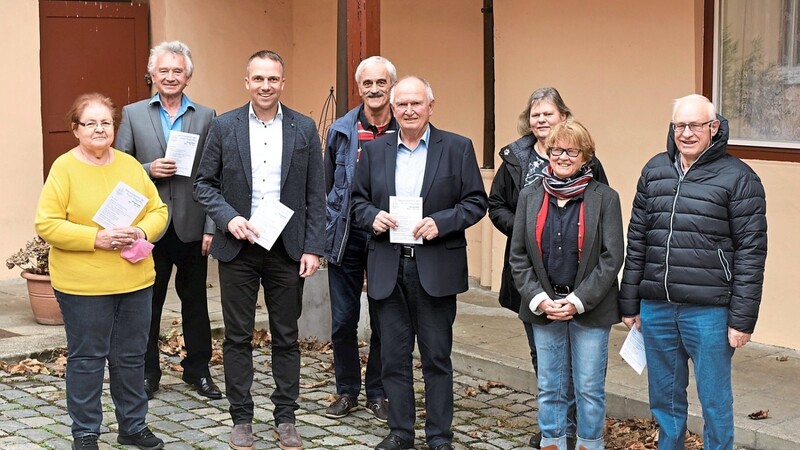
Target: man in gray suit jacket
(144, 133)
(255, 156)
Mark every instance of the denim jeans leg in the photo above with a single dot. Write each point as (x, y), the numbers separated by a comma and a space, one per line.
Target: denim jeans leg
(346, 281)
(126, 359)
(704, 333)
(589, 348)
(552, 349)
(88, 321)
(667, 372)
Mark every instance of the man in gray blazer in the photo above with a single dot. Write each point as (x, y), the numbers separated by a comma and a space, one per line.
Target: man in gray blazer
(255, 156)
(144, 133)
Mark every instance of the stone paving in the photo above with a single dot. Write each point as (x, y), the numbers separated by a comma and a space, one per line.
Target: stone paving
(33, 413)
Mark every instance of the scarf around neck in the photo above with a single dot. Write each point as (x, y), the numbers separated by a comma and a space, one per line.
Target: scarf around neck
(567, 188)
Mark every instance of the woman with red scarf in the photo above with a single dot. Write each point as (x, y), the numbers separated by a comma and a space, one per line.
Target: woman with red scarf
(566, 252)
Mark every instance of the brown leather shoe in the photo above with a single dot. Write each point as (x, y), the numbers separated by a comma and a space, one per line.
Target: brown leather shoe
(287, 436)
(242, 437)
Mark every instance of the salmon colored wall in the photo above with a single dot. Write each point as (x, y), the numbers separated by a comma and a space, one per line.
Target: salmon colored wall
(442, 41)
(21, 125)
(779, 305)
(617, 75)
(619, 69)
(306, 41)
(222, 35)
(312, 71)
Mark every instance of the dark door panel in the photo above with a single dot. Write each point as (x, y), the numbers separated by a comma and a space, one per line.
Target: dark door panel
(88, 47)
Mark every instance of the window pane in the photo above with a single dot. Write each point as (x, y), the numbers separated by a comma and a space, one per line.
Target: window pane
(757, 86)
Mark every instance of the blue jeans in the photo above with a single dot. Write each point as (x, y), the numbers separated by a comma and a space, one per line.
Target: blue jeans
(565, 348)
(346, 282)
(673, 333)
(104, 328)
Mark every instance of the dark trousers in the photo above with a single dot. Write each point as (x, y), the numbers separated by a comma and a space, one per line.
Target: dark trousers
(100, 329)
(532, 345)
(239, 284)
(346, 282)
(407, 313)
(190, 284)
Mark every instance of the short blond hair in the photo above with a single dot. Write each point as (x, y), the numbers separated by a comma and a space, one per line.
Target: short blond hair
(571, 130)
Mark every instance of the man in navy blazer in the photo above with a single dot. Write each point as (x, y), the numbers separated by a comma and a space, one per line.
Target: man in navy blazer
(255, 155)
(144, 133)
(414, 285)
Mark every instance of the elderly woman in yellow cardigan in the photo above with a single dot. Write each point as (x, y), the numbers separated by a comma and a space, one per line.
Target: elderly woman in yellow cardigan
(103, 277)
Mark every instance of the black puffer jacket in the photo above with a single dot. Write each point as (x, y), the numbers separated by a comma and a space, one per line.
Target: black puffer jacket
(698, 237)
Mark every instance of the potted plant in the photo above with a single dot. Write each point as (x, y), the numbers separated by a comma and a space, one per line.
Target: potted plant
(33, 259)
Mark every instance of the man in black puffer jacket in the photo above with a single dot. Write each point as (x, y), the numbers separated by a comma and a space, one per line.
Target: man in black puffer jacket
(697, 242)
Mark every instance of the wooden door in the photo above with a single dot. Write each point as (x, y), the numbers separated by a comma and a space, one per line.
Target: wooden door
(88, 47)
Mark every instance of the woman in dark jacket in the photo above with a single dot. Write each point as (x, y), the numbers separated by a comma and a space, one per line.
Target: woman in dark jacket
(566, 252)
(524, 161)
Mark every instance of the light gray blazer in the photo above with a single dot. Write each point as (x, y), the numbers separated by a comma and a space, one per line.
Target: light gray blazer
(140, 134)
(224, 182)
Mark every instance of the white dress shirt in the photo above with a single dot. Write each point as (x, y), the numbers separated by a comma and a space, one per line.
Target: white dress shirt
(266, 152)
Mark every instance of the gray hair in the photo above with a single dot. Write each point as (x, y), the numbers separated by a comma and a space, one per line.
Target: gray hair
(704, 102)
(176, 47)
(428, 89)
(549, 94)
(377, 59)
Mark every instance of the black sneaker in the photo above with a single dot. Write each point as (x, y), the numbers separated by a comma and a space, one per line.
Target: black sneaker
(86, 442)
(341, 407)
(144, 439)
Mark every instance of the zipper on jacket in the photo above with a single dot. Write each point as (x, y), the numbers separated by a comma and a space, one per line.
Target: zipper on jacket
(345, 237)
(725, 266)
(669, 236)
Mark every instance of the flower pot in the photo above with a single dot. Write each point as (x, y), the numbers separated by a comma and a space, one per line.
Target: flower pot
(43, 300)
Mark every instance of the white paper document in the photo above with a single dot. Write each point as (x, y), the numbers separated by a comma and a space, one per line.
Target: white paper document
(270, 219)
(121, 207)
(408, 213)
(181, 148)
(632, 350)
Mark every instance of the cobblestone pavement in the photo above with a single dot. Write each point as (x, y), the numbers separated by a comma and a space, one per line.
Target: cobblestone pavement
(33, 413)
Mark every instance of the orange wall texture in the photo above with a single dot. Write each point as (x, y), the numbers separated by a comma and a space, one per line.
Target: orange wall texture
(20, 127)
(616, 73)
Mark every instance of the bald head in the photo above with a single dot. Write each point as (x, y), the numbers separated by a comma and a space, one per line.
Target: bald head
(695, 102)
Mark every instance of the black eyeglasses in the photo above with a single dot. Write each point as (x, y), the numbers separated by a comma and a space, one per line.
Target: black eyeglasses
(694, 127)
(571, 152)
